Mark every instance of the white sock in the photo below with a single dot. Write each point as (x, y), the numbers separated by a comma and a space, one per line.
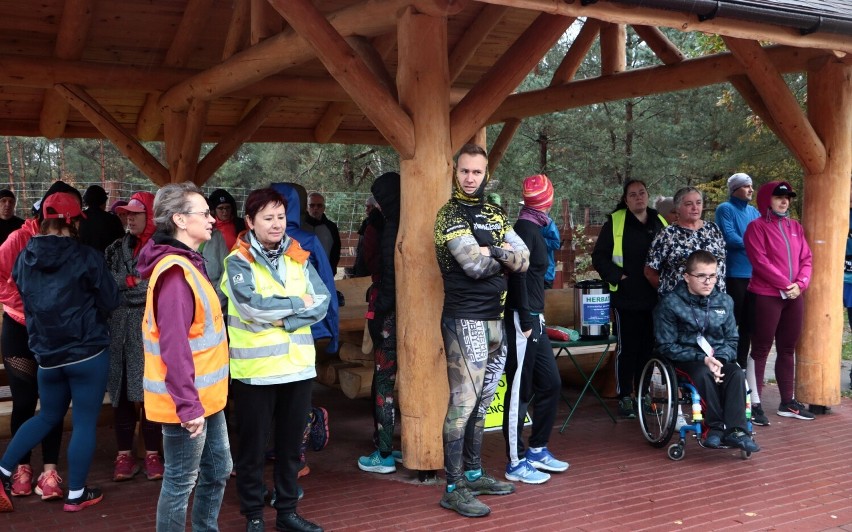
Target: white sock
(5, 472)
(73, 494)
(536, 449)
(751, 379)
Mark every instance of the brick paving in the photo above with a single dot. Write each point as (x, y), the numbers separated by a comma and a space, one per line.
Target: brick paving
(801, 480)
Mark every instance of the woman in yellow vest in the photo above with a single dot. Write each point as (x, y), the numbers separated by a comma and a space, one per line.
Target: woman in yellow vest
(274, 295)
(185, 384)
(619, 258)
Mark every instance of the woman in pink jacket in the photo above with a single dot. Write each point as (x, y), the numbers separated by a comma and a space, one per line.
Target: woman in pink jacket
(781, 261)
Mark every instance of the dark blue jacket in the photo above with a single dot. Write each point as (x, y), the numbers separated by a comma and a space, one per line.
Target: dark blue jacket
(329, 327)
(68, 294)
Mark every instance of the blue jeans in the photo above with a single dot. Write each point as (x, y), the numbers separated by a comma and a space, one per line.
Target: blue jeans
(85, 383)
(206, 458)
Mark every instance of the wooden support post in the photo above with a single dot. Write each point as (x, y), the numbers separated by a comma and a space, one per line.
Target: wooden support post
(423, 82)
(613, 49)
(826, 220)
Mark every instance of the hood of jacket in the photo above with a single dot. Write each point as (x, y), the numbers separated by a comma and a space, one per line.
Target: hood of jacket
(160, 246)
(291, 193)
(764, 199)
(386, 190)
(147, 199)
(48, 253)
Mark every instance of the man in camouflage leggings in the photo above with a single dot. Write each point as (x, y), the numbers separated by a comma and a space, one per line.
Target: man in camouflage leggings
(475, 245)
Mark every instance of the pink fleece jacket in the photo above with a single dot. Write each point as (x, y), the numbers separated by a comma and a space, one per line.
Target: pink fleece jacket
(777, 249)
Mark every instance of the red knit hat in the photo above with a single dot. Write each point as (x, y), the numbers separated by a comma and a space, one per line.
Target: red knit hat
(538, 192)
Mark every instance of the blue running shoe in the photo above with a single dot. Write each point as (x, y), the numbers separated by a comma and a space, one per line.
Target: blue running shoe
(525, 472)
(397, 456)
(376, 464)
(545, 461)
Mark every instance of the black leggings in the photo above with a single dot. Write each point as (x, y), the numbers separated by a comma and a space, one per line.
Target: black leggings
(21, 370)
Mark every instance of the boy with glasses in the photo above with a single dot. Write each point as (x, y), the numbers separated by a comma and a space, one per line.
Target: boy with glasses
(695, 328)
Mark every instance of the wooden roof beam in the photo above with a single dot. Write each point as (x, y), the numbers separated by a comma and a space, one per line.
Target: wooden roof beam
(659, 43)
(374, 55)
(489, 16)
(567, 69)
(126, 144)
(613, 49)
(192, 24)
(238, 28)
(795, 129)
(368, 19)
(504, 76)
(498, 150)
(70, 41)
(235, 138)
(632, 14)
(191, 146)
(265, 21)
(688, 74)
(347, 67)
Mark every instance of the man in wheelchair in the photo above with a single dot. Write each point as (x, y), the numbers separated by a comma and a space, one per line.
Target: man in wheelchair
(695, 328)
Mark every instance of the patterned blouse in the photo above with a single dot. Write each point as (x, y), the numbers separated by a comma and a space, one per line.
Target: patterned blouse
(673, 245)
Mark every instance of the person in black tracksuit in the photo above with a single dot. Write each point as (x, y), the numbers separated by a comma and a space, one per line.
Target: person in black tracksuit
(532, 377)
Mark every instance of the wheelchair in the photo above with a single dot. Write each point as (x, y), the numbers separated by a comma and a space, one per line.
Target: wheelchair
(662, 389)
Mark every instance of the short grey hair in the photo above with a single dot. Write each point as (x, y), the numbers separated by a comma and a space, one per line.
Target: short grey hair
(170, 200)
(678, 197)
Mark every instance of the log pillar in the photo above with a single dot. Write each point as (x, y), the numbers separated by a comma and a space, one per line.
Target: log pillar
(423, 81)
(826, 219)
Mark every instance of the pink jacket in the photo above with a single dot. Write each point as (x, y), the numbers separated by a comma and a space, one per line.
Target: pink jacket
(9, 252)
(777, 249)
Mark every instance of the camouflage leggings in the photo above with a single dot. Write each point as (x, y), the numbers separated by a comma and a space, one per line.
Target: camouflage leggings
(476, 354)
(383, 383)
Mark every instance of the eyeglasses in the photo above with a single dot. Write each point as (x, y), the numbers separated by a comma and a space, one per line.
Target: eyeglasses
(316, 205)
(705, 278)
(203, 213)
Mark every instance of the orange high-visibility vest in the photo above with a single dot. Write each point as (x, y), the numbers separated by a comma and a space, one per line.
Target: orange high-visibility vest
(207, 340)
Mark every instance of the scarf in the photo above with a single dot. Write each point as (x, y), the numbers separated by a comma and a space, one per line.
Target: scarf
(531, 215)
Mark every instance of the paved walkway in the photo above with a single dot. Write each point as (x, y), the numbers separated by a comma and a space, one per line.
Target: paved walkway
(801, 480)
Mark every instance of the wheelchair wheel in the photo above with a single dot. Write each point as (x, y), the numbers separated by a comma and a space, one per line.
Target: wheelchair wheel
(676, 451)
(657, 401)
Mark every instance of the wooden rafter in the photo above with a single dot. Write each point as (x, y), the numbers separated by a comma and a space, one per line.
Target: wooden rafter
(794, 126)
(613, 49)
(689, 74)
(470, 40)
(504, 76)
(567, 69)
(191, 146)
(752, 98)
(192, 24)
(238, 28)
(235, 138)
(70, 41)
(126, 144)
(659, 43)
(498, 150)
(279, 52)
(265, 21)
(347, 67)
(632, 14)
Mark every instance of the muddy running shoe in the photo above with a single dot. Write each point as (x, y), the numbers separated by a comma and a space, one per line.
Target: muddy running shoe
(795, 410)
(22, 481)
(154, 468)
(90, 497)
(461, 500)
(319, 428)
(125, 468)
(48, 486)
(626, 408)
(485, 484)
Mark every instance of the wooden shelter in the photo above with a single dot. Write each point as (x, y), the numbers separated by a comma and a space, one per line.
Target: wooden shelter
(425, 76)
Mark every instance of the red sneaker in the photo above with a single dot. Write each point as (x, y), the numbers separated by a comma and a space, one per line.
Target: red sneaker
(125, 468)
(154, 467)
(5, 489)
(22, 481)
(48, 486)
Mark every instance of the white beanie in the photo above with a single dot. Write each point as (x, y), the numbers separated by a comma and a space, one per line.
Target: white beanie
(738, 180)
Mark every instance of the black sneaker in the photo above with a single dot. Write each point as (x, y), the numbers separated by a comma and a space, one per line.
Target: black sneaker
(255, 525)
(90, 497)
(795, 410)
(742, 440)
(296, 522)
(5, 490)
(626, 408)
(758, 417)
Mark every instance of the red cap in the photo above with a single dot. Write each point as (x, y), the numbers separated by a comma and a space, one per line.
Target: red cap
(134, 205)
(61, 205)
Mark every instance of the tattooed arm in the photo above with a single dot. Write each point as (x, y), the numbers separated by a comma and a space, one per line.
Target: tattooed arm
(513, 253)
(471, 258)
